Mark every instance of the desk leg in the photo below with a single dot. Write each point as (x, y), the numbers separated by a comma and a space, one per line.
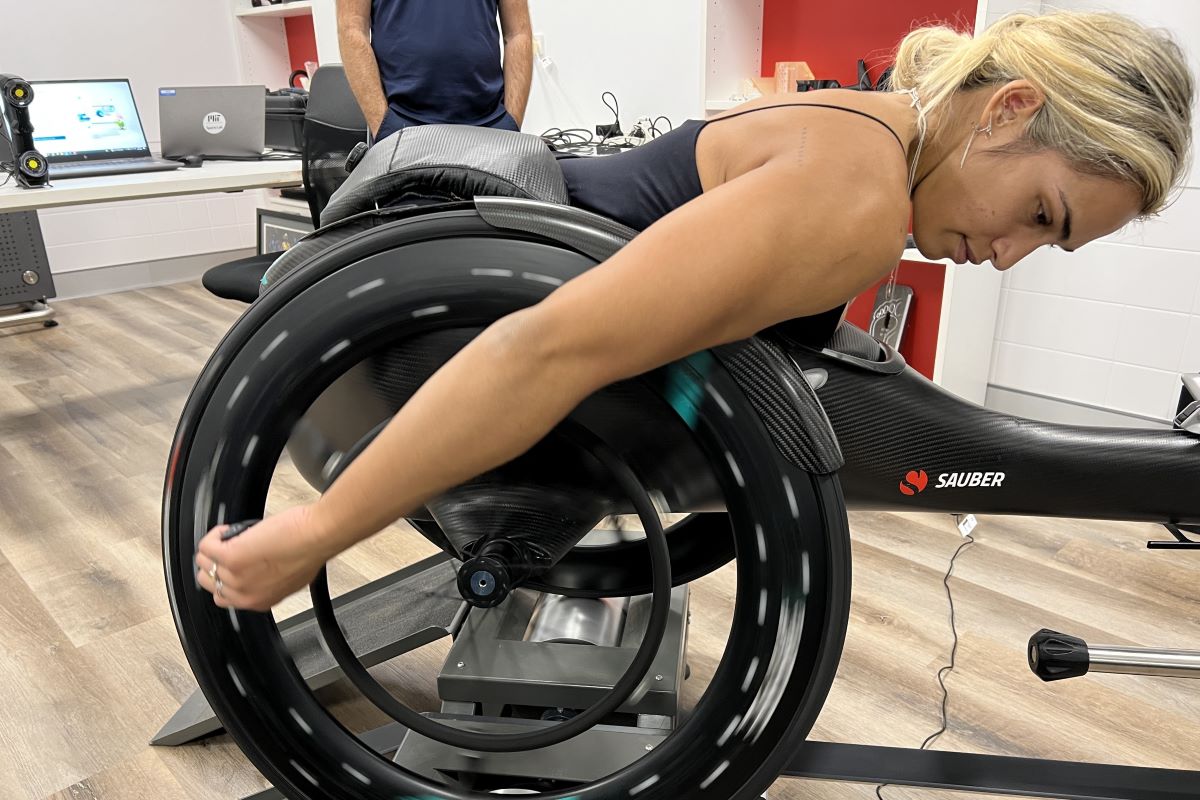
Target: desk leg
(27, 313)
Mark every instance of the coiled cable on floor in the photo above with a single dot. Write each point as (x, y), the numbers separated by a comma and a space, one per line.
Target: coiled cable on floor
(946, 670)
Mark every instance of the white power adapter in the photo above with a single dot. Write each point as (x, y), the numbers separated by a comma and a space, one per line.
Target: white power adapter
(642, 131)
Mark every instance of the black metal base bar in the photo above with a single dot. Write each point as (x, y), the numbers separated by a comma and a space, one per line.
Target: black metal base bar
(1031, 777)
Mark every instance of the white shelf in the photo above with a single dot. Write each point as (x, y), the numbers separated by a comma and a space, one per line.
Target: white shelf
(721, 105)
(300, 8)
(913, 254)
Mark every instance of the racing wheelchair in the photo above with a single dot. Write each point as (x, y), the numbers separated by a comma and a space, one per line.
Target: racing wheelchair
(569, 641)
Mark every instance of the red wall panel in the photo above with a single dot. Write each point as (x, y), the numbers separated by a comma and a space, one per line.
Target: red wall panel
(831, 37)
(919, 342)
(302, 41)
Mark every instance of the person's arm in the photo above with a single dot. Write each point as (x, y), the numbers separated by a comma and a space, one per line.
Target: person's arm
(362, 69)
(721, 268)
(518, 56)
(794, 237)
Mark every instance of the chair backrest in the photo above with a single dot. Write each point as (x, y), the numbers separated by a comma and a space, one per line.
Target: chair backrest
(333, 125)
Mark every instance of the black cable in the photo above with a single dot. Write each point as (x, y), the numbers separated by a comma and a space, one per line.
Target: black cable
(654, 125)
(615, 108)
(946, 670)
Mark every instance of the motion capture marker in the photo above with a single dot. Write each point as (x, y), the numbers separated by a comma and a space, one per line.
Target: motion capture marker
(237, 681)
(303, 772)
(304, 726)
(762, 607)
(720, 400)
(787, 485)
(271, 347)
(643, 786)
(533, 276)
(237, 392)
(333, 351)
(683, 391)
(429, 312)
(358, 776)
(805, 575)
(492, 273)
(750, 673)
(733, 724)
(233, 617)
(737, 473)
(366, 287)
(762, 543)
(249, 451)
(716, 774)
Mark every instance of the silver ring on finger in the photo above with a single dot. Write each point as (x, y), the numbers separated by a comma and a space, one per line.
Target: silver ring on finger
(212, 571)
(220, 587)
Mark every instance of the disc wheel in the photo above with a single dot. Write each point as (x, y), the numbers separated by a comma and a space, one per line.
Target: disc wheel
(446, 270)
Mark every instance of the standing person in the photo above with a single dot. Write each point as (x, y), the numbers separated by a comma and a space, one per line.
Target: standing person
(417, 62)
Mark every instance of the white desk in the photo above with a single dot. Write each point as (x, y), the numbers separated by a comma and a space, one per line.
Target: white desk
(213, 176)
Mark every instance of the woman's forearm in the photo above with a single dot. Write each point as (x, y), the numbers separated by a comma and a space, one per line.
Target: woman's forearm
(493, 401)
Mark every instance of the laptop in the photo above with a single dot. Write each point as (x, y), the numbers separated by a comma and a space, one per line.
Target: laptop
(213, 121)
(91, 127)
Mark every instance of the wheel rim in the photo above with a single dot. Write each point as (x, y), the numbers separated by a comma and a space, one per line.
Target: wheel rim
(239, 658)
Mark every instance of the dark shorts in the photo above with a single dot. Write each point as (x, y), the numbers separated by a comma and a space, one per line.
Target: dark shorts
(394, 122)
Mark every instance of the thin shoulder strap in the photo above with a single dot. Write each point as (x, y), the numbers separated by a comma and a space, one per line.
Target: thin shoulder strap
(899, 141)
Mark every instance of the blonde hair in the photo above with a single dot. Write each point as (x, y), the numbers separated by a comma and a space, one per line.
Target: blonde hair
(1118, 94)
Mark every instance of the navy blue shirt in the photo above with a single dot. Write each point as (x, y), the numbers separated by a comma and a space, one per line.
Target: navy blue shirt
(440, 59)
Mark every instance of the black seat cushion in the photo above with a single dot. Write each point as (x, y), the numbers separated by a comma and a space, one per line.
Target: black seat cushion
(239, 280)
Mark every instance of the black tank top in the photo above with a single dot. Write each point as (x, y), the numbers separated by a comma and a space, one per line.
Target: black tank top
(638, 186)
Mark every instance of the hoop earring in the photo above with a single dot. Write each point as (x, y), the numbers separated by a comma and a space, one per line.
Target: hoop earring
(987, 131)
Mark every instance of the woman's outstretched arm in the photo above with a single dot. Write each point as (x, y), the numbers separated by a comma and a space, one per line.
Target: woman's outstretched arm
(716, 270)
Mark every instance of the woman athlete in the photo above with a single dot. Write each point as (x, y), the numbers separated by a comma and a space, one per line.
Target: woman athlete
(1048, 130)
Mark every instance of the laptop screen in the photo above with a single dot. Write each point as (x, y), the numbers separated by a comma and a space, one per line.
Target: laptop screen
(84, 120)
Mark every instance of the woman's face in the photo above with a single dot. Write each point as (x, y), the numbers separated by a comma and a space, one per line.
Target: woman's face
(1000, 207)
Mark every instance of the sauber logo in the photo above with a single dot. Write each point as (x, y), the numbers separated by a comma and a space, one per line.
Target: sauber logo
(914, 482)
(917, 480)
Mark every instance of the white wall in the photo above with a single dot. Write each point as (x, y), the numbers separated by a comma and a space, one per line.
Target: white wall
(153, 43)
(1112, 326)
(649, 54)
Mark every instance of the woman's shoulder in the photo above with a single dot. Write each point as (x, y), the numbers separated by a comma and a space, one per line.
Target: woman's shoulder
(848, 136)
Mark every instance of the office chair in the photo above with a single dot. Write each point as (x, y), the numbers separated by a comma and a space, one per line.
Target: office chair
(333, 125)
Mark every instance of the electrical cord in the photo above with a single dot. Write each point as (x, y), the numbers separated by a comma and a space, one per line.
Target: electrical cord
(946, 670)
(615, 108)
(654, 125)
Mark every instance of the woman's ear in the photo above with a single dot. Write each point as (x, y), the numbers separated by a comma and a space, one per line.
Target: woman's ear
(1014, 102)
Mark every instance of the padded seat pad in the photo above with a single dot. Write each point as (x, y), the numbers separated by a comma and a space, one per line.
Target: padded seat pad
(431, 163)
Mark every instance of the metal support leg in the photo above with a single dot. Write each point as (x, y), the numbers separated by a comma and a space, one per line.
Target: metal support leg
(1033, 777)
(26, 314)
(383, 619)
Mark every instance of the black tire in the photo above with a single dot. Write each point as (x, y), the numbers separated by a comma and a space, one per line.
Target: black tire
(789, 526)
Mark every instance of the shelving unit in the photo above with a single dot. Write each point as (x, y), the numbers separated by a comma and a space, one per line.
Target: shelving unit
(970, 294)
(300, 8)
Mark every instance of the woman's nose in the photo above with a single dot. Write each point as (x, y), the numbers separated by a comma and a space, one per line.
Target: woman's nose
(1010, 250)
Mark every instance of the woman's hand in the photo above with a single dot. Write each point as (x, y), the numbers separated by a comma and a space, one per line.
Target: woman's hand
(268, 562)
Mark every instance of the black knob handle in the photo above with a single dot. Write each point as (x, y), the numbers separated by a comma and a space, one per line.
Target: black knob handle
(1055, 656)
(484, 581)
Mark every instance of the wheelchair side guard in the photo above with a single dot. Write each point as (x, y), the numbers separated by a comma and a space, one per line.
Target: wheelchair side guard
(784, 400)
(592, 234)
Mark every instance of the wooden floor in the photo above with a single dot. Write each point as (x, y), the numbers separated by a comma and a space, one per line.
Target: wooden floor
(90, 665)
